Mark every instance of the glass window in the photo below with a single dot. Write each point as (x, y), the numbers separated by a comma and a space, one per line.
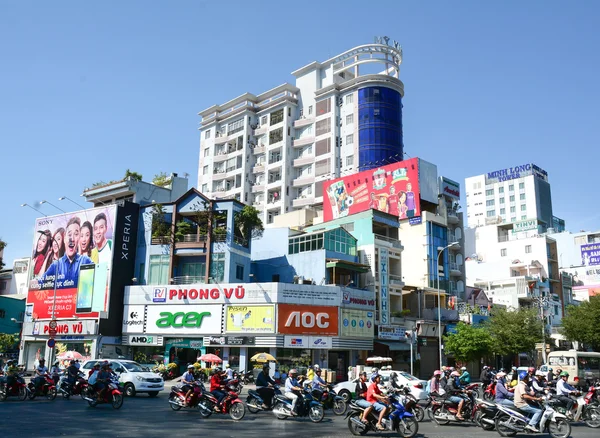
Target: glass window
(521, 185)
(489, 192)
(513, 209)
(207, 134)
(323, 107)
(217, 266)
(503, 252)
(263, 120)
(523, 217)
(322, 167)
(323, 126)
(489, 202)
(350, 160)
(491, 213)
(512, 198)
(239, 272)
(503, 211)
(310, 110)
(276, 117)
(511, 187)
(501, 200)
(523, 207)
(276, 136)
(522, 196)
(349, 119)
(205, 170)
(323, 147)
(527, 249)
(349, 98)
(159, 270)
(236, 126)
(350, 139)
(500, 189)
(206, 152)
(204, 188)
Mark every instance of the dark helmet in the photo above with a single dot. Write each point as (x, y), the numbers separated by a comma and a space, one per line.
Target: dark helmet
(393, 377)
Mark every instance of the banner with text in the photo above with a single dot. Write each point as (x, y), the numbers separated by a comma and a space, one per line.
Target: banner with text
(184, 319)
(250, 319)
(357, 323)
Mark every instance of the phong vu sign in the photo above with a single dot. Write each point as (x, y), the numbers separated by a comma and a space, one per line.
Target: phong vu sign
(516, 172)
(393, 189)
(590, 254)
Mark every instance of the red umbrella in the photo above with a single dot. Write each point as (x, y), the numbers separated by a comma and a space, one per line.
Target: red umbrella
(69, 355)
(212, 358)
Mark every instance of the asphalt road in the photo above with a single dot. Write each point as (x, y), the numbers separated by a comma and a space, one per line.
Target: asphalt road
(142, 416)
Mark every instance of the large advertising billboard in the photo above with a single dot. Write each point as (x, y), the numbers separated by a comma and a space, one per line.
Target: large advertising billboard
(357, 323)
(393, 189)
(590, 254)
(184, 319)
(307, 320)
(250, 319)
(72, 254)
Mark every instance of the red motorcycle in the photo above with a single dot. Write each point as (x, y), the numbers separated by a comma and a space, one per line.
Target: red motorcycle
(177, 396)
(67, 390)
(593, 395)
(112, 395)
(17, 389)
(231, 404)
(489, 394)
(47, 387)
(474, 388)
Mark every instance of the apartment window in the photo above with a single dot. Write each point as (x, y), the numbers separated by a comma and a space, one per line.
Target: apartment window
(521, 186)
(511, 187)
(513, 219)
(206, 152)
(349, 98)
(512, 198)
(323, 107)
(522, 196)
(276, 136)
(310, 110)
(289, 111)
(323, 126)
(513, 209)
(236, 126)
(276, 117)
(350, 160)
(263, 120)
(503, 211)
(323, 147)
(239, 272)
(350, 139)
(204, 188)
(217, 266)
(489, 202)
(206, 134)
(159, 269)
(301, 112)
(527, 249)
(501, 200)
(503, 252)
(489, 192)
(205, 170)
(523, 207)
(491, 213)
(524, 217)
(349, 119)
(322, 167)
(500, 189)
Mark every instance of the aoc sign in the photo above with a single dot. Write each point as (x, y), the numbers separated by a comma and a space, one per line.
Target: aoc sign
(184, 319)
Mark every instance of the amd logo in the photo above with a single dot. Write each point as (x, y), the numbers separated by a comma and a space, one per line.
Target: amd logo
(307, 320)
(141, 340)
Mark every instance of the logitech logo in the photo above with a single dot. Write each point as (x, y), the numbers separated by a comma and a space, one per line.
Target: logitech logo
(133, 315)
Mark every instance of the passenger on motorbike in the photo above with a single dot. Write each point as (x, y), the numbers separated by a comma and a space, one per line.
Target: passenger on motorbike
(55, 372)
(564, 390)
(377, 399)
(465, 377)
(456, 392)
(523, 396)
(72, 373)
(503, 396)
(485, 376)
(310, 373)
(12, 371)
(538, 383)
(374, 373)
(40, 372)
(361, 396)
(102, 380)
(216, 384)
(291, 388)
(435, 387)
(265, 386)
(318, 383)
(188, 378)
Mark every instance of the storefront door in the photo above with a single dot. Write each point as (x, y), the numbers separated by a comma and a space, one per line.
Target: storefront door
(34, 352)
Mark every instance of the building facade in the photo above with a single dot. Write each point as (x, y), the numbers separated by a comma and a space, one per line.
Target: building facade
(274, 150)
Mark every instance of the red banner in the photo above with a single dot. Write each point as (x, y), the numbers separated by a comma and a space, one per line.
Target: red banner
(393, 189)
(307, 320)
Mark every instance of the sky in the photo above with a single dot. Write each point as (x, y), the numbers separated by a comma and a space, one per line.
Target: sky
(90, 89)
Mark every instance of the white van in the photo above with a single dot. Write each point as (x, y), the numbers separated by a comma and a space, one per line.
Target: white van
(134, 377)
(582, 366)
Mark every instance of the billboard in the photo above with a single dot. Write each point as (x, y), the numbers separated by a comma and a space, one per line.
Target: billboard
(72, 254)
(184, 319)
(307, 320)
(250, 319)
(449, 188)
(393, 189)
(357, 323)
(590, 254)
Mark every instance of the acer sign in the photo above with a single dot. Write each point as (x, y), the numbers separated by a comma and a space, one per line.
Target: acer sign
(184, 319)
(301, 320)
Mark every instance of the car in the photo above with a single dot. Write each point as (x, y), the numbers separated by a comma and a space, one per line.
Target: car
(417, 386)
(134, 377)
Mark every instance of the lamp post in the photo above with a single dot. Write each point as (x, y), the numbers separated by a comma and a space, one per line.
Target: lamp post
(440, 252)
(62, 198)
(542, 302)
(50, 203)
(33, 208)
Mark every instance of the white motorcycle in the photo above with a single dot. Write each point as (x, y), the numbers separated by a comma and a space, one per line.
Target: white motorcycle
(510, 421)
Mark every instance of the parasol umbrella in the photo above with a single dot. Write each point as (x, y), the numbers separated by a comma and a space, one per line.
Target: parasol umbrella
(211, 358)
(69, 355)
(379, 359)
(263, 358)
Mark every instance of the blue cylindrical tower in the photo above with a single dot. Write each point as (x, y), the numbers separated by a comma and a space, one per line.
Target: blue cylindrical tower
(380, 127)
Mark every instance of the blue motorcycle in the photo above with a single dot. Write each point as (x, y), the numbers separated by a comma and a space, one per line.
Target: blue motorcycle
(399, 420)
(307, 406)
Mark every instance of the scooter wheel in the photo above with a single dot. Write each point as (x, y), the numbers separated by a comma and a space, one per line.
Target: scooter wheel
(354, 428)
(316, 413)
(501, 428)
(408, 427)
(279, 406)
(174, 406)
(559, 428)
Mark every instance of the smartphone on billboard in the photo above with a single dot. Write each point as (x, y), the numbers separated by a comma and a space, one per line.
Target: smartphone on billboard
(85, 288)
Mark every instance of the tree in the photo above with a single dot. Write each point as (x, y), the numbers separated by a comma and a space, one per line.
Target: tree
(161, 229)
(469, 343)
(248, 224)
(161, 179)
(133, 175)
(184, 228)
(580, 323)
(7, 342)
(514, 331)
(2, 246)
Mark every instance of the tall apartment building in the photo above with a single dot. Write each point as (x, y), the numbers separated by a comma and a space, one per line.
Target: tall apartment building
(274, 150)
(510, 196)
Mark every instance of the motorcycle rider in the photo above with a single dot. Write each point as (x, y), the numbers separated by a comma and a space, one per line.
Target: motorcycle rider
(11, 370)
(291, 388)
(310, 373)
(503, 395)
(435, 387)
(377, 399)
(485, 377)
(229, 372)
(188, 378)
(456, 391)
(514, 376)
(361, 396)
(564, 390)
(72, 374)
(465, 377)
(374, 372)
(265, 386)
(40, 372)
(523, 396)
(101, 380)
(538, 383)
(55, 372)
(318, 383)
(216, 385)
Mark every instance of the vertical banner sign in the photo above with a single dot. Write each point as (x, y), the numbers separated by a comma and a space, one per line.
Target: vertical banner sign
(384, 308)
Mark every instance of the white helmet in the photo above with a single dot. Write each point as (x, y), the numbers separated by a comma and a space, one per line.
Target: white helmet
(316, 367)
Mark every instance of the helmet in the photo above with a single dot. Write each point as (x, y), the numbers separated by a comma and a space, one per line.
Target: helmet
(463, 368)
(218, 370)
(293, 371)
(454, 374)
(393, 376)
(523, 375)
(190, 367)
(444, 368)
(437, 373)
(317, 370)
(316, 367)
(485, 367)
(550, 369)
(227, 366)
(540, 373)
(500, 374)
(97, 365)
(363, 373)
(564, 374)
(374, 370)
(531, 370)
(514, 368)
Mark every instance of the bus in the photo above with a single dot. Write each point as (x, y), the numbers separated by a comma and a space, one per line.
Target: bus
(583, 367)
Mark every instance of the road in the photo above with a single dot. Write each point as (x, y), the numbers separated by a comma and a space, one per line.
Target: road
(142, 416)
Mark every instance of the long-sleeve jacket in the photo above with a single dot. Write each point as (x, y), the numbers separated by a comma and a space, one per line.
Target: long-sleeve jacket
(501, 392)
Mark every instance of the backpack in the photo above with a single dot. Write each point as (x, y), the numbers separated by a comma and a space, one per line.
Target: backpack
(93, 378)
(428, 387)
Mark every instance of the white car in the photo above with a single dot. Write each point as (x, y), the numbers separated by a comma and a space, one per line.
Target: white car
(417, 386)
(134, 377)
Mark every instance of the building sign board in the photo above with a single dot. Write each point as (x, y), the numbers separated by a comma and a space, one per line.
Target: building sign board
(516, 172)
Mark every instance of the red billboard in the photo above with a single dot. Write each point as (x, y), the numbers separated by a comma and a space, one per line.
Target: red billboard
(393, 189)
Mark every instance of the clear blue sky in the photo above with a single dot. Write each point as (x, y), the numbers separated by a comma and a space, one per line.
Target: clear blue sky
(89, 89)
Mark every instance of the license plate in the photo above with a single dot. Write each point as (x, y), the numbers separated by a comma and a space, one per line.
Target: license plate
(154, 386)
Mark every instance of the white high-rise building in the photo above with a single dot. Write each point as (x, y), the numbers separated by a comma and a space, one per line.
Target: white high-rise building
(275, 149)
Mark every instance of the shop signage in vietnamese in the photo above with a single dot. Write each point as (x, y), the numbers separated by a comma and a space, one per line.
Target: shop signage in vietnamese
(357, 298)
(81, 327)
(308, 342)
(391, 333)
(250, 319)
(321, 320)
(230, 340)
(450, 188)
(384, 310)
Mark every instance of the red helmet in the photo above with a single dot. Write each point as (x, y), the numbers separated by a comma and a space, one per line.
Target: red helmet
(531, 370)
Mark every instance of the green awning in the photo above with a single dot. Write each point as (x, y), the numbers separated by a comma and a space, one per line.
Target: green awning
(351, 266)
(395, 345)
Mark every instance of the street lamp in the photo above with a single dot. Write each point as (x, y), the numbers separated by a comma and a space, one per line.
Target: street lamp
(46, 202)
(543, 302)
(440, 252)
(62, 198)
(33, 208)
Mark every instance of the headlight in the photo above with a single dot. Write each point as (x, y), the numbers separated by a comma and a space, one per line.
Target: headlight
(141, 379)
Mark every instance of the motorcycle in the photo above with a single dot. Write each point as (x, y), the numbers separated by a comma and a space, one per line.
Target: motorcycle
(511, 421)
(247, 377)
(411, 404)
(485, 414)
(17, 389)
(444, 411)
(582, 411)
(474, 388)
(306, 406)
(255, 402)
(593, 395)
(67, 390)
(112, 395)
(177, 396)
(235, 384)
(399, 420)
(330, 400)
(490, 392)
(230, 404)
(46, 389)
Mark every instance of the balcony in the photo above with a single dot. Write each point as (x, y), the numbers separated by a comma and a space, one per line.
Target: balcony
(219, 174)
(303, 161)
(304, 121)
(258, 187)
(160, 240)
(454, 269)
(388, 241)
(220, 156)
(191, 241)
(220, 139)
(452, 239)
(303, 201)
(446, 314)
(274, 182)
(395, 280)
(258, 168)
(260, 130)
(452, 216)
(299, 142)
(303, 181)
(276, 159)
(188, 279)
(260, 149)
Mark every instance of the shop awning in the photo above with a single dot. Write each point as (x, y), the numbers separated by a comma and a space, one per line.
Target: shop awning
(351, 266)
(396, 345)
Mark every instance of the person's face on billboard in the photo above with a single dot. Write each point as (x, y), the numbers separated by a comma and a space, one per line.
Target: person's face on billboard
(409, 187)
(57, 243)
(99, 232)
(85, 239)
(41, 243)
(392, 190)
(72, 240)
